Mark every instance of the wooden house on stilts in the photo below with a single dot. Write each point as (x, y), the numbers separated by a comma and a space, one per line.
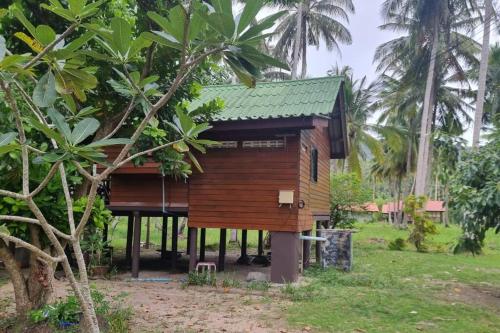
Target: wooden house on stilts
(269, 172)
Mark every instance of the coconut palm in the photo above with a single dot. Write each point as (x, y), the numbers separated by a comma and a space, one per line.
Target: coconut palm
(483, 71)
(322, 21)
(437, 48)
(360, 107)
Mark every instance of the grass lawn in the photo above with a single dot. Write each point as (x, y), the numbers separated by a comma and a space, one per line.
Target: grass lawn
(403, 291)
(118, 235)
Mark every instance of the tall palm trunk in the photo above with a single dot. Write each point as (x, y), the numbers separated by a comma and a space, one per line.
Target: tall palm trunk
(298, 36)
(483, 70)
(425, 128)
(304, 43)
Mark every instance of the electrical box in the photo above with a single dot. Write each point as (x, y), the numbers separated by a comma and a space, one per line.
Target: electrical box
(286, 197)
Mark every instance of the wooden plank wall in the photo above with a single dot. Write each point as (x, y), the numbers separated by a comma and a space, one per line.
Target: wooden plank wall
(145, 190)
(316, 195)
(240, 186)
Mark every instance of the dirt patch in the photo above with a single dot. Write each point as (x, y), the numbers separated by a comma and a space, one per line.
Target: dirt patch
(168, 307)
(478, 295)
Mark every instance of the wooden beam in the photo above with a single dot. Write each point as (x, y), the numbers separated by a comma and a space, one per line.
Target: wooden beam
(136, 246)
(175, 232)
(203, 237)
(261, 124)
(244, 259)
(318, 244)
(148, 233)
(164, 232)
(192, 241)
(130, 233)
(222, 249)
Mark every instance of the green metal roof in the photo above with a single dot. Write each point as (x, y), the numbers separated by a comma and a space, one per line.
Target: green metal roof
(268, 100)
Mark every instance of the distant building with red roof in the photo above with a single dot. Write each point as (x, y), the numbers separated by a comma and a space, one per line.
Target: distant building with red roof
(434, 208)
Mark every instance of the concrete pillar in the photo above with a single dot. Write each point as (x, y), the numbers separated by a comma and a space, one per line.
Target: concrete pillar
(193, 240)
(318, 244)
(285, 249)
(136, 246)
(244, 259)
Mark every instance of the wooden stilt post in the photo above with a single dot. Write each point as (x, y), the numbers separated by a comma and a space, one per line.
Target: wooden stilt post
(222, 249)
(203, 237)
(188, 245)
(244, 259)
(148, 233)
(175, 232)
(164, 231)
(193, 240)
(130, 233)
(260, 247)
(136, 248)
(306, 251)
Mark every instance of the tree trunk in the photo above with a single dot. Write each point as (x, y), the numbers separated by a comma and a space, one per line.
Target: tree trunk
(148, 233)
(21, 295)
(304, 50)
(428, 108)
(296, 46)
(483, 71)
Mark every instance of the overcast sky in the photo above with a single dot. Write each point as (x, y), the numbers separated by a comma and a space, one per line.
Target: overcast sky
(359, 55)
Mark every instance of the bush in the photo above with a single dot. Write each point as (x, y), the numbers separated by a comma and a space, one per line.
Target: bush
(422, 225)
(201, 279)
(259, 285)
(399, 244)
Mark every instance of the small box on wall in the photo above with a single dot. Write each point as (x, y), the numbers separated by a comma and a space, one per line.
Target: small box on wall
(286, 197)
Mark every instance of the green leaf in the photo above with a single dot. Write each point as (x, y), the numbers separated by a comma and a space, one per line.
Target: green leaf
(7, 138)
(4, 230)
(195, 161)
(76, 6)
(8, 148)
(264, 24)
(50, 133)
(162, 38)
(45, 34)
(20, 16)
(3, 48)
(249, 13)
(83, 129)
(60, 122)
(181, 147)
(122, 35)
(44, 94)
(110, 142)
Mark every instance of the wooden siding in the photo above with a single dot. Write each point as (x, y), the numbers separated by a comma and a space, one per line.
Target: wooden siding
(145, 190)
(316, 195)
(240, 186)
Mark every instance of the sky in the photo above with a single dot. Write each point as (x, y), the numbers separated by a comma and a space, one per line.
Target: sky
(359, 55)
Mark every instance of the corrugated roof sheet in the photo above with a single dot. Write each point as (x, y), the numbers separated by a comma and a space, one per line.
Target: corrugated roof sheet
(270, 100)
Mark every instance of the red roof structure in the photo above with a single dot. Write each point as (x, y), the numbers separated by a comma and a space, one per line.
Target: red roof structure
(436, 206)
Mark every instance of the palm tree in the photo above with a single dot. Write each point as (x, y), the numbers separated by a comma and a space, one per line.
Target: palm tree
(360, 107)
(483, 71)
(320, 21)
(433, 38)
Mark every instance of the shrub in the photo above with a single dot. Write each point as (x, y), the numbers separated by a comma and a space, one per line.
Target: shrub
(259, 285)
(422, 225)
(399, 244)
(201, 279)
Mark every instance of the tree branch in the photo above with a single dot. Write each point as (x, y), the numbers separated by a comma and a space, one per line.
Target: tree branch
(46, 180)
(127, 113)
(30, 247)
(49, 47)
(34, 221)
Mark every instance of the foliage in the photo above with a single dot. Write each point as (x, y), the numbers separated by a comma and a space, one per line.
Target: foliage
(322, 22)
(475, 195)
(422, 226)
(231, 283)
(49, 92)
(259, 285)
(201, 279)
(95, 247)
(66, 313)
(399, 244)
(347, 192)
